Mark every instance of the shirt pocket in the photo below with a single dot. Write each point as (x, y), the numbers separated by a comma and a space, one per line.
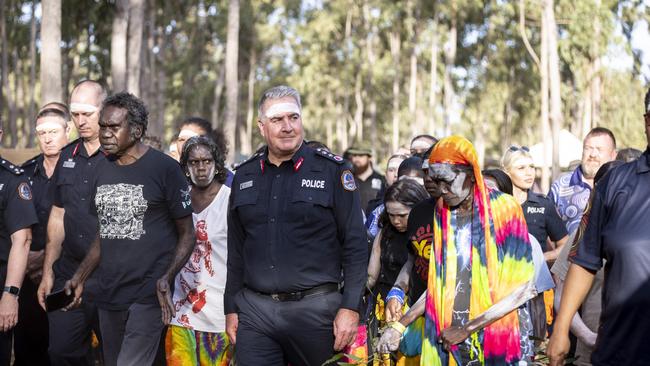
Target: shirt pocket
(65, 185)
(245, 205)
(310, 207)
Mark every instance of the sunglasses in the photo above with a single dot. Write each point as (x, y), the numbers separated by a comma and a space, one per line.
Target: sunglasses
(514, 148)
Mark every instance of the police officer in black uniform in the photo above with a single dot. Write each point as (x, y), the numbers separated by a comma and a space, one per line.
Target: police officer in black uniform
(31, 334)
(71, 228)
(294, 225)
(17, 215)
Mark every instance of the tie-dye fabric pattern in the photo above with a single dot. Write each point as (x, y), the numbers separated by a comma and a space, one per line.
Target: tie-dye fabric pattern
(185, 346)
(501, 261)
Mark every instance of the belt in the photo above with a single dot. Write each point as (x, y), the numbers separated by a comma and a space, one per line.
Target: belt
(299, 295)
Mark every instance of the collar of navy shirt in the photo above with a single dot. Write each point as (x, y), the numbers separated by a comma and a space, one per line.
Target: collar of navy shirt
(297, 159)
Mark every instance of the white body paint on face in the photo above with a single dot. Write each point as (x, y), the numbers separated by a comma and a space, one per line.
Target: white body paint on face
(196, 182)
(82, 108)
(280, 109)
(185, 134)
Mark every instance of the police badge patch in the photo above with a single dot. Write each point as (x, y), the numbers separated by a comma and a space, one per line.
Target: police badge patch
(24, 192)
(347, 179)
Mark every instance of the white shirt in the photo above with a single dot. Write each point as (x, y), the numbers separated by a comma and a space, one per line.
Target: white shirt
(200, 284)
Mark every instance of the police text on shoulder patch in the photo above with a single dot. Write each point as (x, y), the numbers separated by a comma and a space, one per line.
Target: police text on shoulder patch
(245, 185)
(24, 192)
(347, 179)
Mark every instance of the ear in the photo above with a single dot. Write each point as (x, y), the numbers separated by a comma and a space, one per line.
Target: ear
(137, 132)
(260, 125)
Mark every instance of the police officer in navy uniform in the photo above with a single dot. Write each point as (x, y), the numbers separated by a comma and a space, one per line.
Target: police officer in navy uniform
(294, 225)
(17, 215)
(71, 228)
(31, 334)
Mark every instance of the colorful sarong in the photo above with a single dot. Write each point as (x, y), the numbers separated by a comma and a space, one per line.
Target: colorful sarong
(184, 346)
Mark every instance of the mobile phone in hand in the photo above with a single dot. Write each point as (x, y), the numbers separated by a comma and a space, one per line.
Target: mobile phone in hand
(58, 300)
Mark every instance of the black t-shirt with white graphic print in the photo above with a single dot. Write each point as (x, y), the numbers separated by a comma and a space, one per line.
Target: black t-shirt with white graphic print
(136, 206)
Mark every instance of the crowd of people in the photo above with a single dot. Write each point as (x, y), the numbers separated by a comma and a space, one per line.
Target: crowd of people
(116, 252)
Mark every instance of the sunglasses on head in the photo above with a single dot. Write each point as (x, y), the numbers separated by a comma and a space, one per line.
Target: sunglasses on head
(518, 148)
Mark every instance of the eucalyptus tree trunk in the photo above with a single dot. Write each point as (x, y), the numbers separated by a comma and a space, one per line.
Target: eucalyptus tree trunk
(450, 58)
(232, 87)
(119, 37)
(557, 119)
(51, 88)
(395, 45)
(134, 57)
(433, 81)
(29, 129)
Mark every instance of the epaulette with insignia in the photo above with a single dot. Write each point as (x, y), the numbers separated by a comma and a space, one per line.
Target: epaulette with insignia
(31, 161)
(328, 155)
(11, 167)
(251, 158)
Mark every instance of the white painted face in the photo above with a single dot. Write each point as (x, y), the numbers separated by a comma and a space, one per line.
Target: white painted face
(52, 134)
(201, 166)
(398, 214)
(452, 184)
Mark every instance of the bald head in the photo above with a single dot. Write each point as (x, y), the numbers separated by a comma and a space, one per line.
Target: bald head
(85, 103)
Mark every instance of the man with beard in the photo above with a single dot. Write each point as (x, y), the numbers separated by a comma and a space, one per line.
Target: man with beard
(368, 181)
(571, 191)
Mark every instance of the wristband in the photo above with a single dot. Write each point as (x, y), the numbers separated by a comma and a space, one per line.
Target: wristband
(396, 293)
(398, 327)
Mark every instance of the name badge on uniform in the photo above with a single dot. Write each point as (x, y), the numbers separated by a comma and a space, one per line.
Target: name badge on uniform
(245, 185)
(69, 163)
(376, 183)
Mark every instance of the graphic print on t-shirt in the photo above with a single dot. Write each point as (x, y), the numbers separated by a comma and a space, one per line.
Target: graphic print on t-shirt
(201, 255)
(121, 208)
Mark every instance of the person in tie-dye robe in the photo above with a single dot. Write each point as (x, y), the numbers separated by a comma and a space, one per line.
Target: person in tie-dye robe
(480, 268)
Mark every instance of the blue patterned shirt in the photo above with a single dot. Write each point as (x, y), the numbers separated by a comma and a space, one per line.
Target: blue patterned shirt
(570, 195)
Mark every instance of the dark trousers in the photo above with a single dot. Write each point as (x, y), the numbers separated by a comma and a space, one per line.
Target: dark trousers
(275, 333)
(31, 332)
(71, 334)
(5, 348)
(132, 336)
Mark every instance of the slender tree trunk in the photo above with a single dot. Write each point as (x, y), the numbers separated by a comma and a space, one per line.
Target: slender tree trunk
(433, 82)
(371, 59)
(359, 106)
(134, 57)
(3, 63)
(596, 83)
(218, 92)
(246, 139)
(51, 88)
(232, 86)
(13, 107)
(32, 78)
(544, 117)
(450, 58)
(395, 44)
(119, 39)
(557, 119)
(413, 65)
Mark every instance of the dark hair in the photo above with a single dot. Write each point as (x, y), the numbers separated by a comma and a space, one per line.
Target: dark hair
(197, 121)
(317, 145)
(56, 105)
(628, 154)
(596, 131)
(53, 112)
(502, 179)
(408, 165)
(405, 191)
(425, 155)
(646, 102)
(428, 137)
(606, 168)
(218, 155)
(137, 114)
